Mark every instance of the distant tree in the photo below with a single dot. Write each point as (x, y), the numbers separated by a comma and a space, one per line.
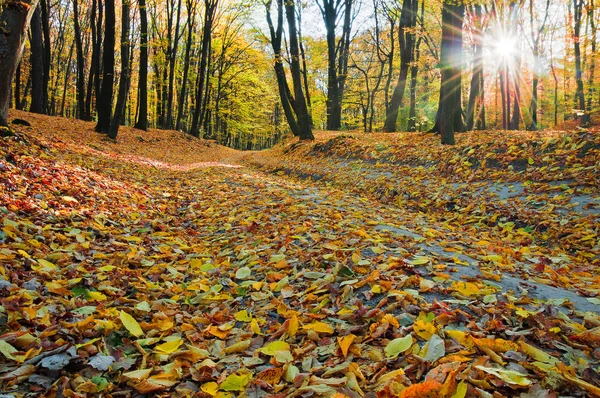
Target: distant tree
(14, 19)
(142, 121)
(108, 73)
(125, 74)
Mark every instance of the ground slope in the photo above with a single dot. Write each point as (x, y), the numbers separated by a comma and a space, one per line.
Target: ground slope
(161, 266)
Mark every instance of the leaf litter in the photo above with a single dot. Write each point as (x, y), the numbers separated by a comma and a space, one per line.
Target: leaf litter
(129, 269)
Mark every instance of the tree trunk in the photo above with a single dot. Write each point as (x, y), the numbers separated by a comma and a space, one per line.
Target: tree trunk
(291, 107)
(66, 81)
(15, 23)
(93, 64)
(80, 64)
(172, 63)
(476, 80)
(579, 93)
(47, 50)
(450, 113)
(142, 121)
(592, 63)
(124, 76)
(37, 63)
(18, 88)
(209, 14)
(191, 7)
(408, 19)
(414, 70)
(300, 101)
(108, 72)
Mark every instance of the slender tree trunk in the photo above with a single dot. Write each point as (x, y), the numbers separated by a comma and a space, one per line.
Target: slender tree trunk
(93, 63)
(80, 63)
(304, 67)
(408, 19)
(37, 63)
(45, 5)
(98, 68)
(301, 109)
(516, 116)
(186, 64)
(414, 70)
(292, 107)
(172, 63)
(209, 13)
(579, 93)
(108, 72)
(142, 121)
(66, 81)
(124, 76)
(592, 63)
(390, 66)
(475, 92)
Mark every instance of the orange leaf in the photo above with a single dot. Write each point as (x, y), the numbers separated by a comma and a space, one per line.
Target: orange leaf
(345, 343)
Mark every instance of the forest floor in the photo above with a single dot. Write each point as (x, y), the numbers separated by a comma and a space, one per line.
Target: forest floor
(355, 265)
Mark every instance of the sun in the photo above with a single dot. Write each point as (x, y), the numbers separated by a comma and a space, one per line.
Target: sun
(504, 47)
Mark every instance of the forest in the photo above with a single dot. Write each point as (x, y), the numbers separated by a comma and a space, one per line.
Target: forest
(371, 65)
(294, 199)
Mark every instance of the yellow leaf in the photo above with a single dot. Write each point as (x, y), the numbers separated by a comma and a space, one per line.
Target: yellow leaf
(461, 390)
(170, 346)
(272, 348)
(139, 374)
(235, 382)
(238, 347)
(424, 329)
(293, 326)
(215, 331)
(210, 388)
(96, 296)
(419, 261)
(466, 289)
(319, 327)
(255, 328)
(131, 324)
(243, 316)
(345, 343)
(538, 354)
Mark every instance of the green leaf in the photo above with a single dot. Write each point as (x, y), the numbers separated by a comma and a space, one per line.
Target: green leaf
(243, 273)
(398, 346)
(235, 382)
